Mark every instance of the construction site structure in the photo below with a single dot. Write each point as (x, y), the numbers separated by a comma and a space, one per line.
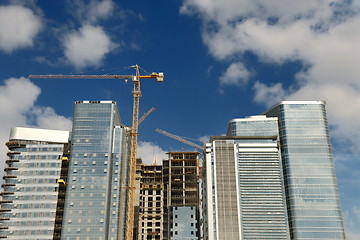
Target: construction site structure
(134, 130)
(151, 209)
(181, 194)
(139, 165)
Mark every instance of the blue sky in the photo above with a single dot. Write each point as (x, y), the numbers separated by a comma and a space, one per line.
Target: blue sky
(221, 59)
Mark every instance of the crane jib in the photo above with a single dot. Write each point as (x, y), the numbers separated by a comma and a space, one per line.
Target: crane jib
(82, 76)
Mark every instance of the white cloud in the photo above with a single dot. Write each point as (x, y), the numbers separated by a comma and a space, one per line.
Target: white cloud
(150, 152)
(18, 27)
(268, 95)
(100, 9)
(87, 47)
(236, 74)
(18, 108)
(47, 118)
(352, 219)
(93, 11)
(204, 139)
(324, 35)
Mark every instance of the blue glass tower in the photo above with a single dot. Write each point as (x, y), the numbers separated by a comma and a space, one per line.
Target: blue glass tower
(97, 181)
(310, 183)
(273, 177)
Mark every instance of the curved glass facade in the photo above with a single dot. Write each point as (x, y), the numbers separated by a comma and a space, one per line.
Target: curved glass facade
(31, 186)
(310, 183)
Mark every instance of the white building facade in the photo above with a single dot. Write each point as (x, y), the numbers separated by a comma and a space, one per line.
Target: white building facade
(243, 196)
(33, 184)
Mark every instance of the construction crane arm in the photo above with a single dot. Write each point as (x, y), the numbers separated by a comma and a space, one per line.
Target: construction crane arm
(180, 139)
(158, 76)
(82, 76)
(146, 114)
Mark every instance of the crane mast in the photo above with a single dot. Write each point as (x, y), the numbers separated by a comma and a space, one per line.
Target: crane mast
(133, 133)
(133, 152)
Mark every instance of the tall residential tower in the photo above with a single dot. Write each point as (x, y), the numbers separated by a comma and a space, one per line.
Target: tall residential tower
(33, 195)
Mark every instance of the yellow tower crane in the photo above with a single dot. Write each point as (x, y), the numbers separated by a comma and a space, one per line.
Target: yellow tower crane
(133, 133)
(181, 139)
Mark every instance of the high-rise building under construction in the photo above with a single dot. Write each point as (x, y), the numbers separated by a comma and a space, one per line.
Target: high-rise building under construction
(151, 203)
(181, 195)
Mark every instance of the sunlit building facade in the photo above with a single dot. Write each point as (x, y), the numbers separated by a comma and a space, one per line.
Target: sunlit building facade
(33, 189)
(243, 196)
(310, 183)
(273, 177)
(97, 180)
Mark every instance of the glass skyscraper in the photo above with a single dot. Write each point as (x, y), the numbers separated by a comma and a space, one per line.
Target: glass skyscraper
(97, 180)
(273, 177)
(33, 184)
(311, 190)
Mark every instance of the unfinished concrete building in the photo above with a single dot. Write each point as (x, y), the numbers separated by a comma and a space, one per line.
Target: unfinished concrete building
(139, 166)
(181, 195)
(151, 209)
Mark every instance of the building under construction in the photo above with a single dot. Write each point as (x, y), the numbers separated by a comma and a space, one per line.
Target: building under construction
(151, 211)
(168, 196)
(181, 195)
